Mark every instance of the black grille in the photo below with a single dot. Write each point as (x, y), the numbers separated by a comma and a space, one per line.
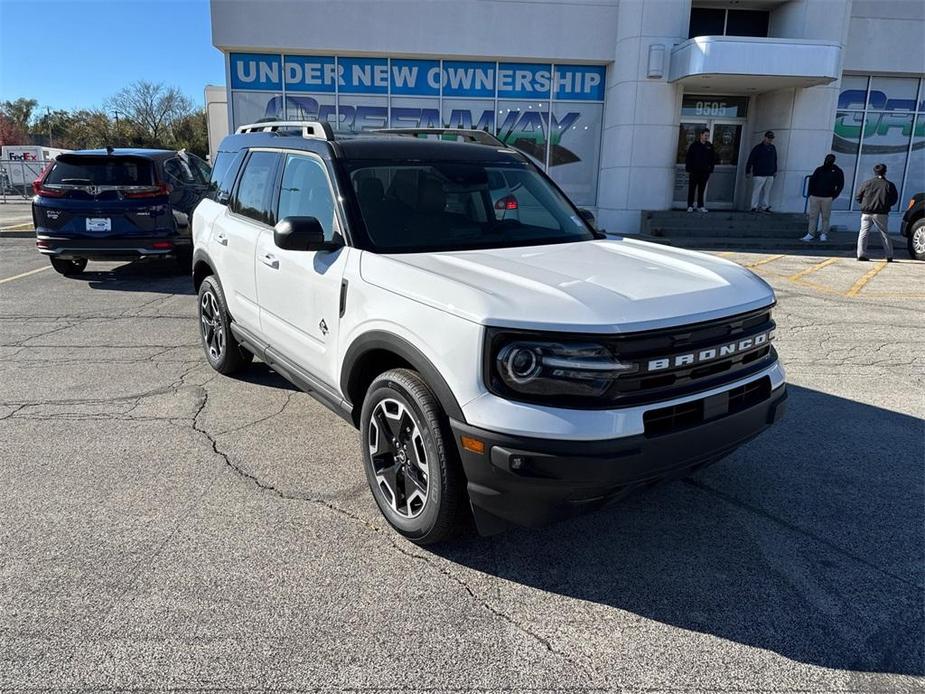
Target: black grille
(666, 420)
(646, 387)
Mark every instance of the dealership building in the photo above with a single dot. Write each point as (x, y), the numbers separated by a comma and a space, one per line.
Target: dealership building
(606, 95)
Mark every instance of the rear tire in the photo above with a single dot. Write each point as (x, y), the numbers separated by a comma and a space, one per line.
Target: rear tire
(69, 267)
(413, 472)
(223, 351)
(917, 240)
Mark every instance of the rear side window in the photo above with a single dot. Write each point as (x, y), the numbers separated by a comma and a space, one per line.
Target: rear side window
(180, 172)
(102, 171)
(255, 189)
(224, 172)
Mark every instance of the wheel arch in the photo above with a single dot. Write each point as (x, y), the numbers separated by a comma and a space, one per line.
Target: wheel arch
(202, 267)
(375, 352)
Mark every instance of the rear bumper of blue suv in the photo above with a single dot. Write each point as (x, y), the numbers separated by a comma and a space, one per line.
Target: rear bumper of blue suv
(112, 247)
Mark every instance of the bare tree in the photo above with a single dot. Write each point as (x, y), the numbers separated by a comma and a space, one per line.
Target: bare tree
(152, 107)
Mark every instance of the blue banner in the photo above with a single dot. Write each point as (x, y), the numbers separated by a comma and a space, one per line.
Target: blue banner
(416, 77)
(305, 73)
(363, 75)
(256, 71)
(580, 82)
(524, 81)
(463, 78)
(408, 77)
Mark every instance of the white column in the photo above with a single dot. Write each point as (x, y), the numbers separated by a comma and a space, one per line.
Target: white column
(641, 115)
(802, 118)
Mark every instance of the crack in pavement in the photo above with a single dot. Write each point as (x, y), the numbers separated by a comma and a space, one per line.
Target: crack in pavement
(241, 472)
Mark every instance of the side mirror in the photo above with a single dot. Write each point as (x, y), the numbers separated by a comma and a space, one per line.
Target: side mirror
(301, 234)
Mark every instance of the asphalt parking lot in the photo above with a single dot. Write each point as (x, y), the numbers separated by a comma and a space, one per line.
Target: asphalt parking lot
(163, 527)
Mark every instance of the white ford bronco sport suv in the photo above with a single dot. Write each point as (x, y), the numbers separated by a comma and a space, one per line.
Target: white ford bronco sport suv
(522, 369)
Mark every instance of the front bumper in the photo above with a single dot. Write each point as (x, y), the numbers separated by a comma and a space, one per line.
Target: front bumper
(111, 248)
(532, 481)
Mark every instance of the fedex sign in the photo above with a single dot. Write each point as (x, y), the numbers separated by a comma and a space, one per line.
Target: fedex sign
(399, 77)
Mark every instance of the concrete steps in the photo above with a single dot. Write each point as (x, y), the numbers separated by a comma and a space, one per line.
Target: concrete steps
(674, 223)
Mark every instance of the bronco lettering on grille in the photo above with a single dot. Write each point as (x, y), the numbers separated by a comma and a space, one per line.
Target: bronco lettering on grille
(705, 355)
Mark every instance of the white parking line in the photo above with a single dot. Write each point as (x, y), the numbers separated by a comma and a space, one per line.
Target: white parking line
(24, 274)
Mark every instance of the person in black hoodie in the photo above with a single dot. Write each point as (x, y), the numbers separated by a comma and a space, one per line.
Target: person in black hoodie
(699, 164)
(762, 167)
(825, 185)
(876, 196)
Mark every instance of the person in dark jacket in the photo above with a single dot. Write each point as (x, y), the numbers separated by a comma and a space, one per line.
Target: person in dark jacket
(762, 167)
(876, 197)
(699, 164)
(825, 185)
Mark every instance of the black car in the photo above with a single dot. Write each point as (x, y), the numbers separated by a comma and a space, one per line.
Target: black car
(117, 204)
(913, 226)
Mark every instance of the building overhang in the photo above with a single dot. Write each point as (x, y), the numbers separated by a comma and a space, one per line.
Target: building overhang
(736, 64)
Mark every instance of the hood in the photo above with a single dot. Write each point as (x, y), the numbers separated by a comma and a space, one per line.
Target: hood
(613, 286)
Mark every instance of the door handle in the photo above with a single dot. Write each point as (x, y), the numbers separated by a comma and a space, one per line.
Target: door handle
(270, 260)
(222, 239)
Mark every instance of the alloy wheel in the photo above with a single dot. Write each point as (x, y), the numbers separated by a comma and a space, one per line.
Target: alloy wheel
(918, 241)
(399, 458)
(211, 326)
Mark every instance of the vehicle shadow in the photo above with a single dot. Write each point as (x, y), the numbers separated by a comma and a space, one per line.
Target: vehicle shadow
(807, 542)
(152, 275)
(262, 375)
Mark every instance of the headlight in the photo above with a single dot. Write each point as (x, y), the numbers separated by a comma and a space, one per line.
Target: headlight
(542, 370)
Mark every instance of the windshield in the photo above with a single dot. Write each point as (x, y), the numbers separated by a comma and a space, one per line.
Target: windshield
(446, 206)
(101, 171)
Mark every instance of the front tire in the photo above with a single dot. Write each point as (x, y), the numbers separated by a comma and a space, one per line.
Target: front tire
(222, 350)
(68, 266)
(412, 470)
(917, 240)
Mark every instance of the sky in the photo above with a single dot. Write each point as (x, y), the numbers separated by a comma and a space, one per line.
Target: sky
(75, 54)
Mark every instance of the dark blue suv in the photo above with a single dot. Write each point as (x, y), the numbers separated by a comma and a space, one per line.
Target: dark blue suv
(117, 204)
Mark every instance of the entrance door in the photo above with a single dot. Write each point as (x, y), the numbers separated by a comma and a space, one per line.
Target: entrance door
(726, 136)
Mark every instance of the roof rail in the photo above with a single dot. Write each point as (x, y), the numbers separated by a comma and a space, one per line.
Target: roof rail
(468, 135)
(309, 128)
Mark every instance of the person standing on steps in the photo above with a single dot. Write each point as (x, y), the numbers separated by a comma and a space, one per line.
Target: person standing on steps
(762, 167)
(699, 164)
(825, 185)
(876, 196)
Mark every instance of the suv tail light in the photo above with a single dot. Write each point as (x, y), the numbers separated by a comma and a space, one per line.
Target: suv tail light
(39, 189)
(508, 202)
(148, 192)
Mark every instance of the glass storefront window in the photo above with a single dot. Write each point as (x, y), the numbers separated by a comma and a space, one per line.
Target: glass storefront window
(915, 177)
(321, 107)
(358, 113)
(845, 145)
(575, 148)
(886, 141)
(524, 125)
(249, 107)
(892, 93)
(552, 113)
(877, 119)
(409, 112)
(469, 114)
